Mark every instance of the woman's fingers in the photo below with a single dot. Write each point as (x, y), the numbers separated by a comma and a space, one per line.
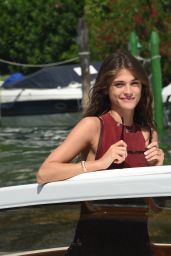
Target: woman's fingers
(119, 160)
(120, 155)
(151, 152)
(154, 154)
(153, 144)
(120, 143)
(115, 154)
(119, 150)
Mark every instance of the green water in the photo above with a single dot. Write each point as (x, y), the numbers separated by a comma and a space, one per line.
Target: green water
(22, 150)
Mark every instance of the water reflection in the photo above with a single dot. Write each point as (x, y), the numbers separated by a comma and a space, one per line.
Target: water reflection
(40, 227)
(23, 150)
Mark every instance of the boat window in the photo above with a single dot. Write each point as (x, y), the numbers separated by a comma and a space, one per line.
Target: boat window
(53, 226)
(159, 223)
(37, 227)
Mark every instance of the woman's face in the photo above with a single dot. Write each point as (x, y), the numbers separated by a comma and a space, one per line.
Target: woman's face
(125, 91)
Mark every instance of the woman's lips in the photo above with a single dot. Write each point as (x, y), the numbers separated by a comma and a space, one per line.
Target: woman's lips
(127, 99)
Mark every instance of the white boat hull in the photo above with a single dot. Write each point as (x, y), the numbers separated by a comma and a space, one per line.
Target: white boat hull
(122, 183)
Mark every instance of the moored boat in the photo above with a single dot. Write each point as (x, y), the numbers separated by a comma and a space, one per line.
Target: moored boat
(50, 91)
(145, 182)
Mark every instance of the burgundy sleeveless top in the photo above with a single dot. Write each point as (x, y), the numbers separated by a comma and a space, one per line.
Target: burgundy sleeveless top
(99, 226)
(112, 132)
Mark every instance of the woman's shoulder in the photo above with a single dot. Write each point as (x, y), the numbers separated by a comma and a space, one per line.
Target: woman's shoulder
(90, 122)
(87, 128)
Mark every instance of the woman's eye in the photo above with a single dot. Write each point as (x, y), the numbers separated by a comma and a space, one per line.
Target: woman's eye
(136, 83)
(118, 85)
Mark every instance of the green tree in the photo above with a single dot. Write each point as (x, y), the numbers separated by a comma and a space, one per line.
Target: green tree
(112, 21)
(37, 32)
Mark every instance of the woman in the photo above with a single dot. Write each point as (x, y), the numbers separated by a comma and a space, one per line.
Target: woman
(117, 132)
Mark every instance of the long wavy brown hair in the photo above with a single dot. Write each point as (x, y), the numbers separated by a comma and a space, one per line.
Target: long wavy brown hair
(99, 100)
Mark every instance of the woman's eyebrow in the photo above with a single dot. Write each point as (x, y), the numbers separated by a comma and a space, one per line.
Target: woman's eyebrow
(122, 81)
(119, 81)
(136, 79)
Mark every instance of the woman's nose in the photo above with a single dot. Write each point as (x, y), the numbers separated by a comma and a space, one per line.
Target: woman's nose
(128, 89)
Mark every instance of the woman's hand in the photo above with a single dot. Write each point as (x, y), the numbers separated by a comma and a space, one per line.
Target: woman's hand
(154, 155)
(117, 154)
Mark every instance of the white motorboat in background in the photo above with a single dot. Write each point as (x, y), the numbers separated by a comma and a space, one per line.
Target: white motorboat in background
(51, 96)
(166, 96)
(41, 107)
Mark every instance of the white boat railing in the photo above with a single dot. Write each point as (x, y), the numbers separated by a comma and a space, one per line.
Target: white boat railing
(121, 183)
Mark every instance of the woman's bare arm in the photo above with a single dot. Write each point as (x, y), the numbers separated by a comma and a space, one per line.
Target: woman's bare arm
(85, 135)
(56, 166)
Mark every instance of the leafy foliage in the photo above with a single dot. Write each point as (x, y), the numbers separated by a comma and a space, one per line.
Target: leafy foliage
(112, 21)
(38, 32)
(45, 31)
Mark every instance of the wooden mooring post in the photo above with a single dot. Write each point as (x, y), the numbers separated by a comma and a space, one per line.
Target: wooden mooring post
(84, 54)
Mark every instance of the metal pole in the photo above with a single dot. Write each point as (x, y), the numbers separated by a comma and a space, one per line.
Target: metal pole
(133, 41)
(156, 81)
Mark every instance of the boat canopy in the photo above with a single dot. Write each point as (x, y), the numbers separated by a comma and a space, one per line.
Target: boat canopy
(53, 77)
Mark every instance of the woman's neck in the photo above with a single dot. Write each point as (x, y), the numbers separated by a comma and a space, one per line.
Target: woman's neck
(127, 117)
